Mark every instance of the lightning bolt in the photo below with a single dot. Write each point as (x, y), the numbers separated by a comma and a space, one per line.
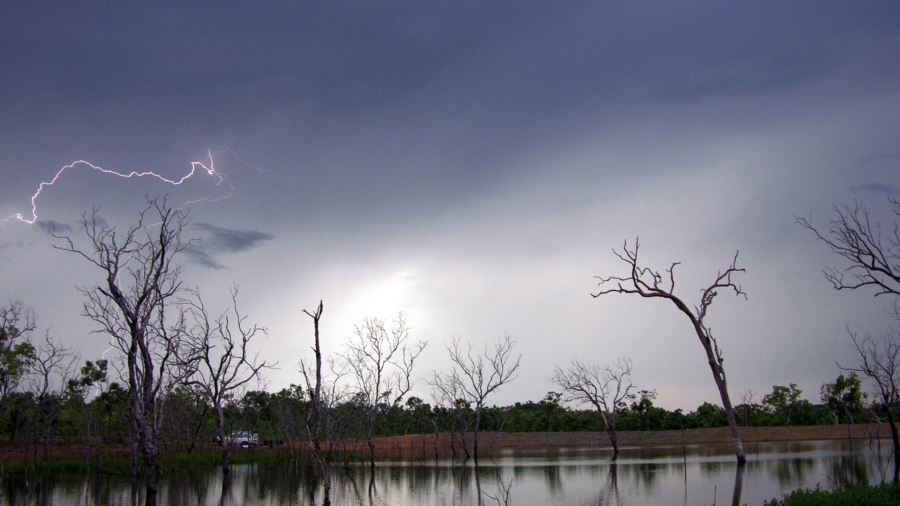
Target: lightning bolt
(218, 178)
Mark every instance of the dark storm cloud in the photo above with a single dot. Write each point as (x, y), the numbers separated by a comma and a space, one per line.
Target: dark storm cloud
(440, 147)
(202, 257)
(337, 54)
(157, 80)
(223, 240)
(54, 227)
(346, 55)
(231, 241)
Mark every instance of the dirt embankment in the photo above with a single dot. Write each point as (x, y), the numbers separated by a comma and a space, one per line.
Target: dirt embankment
(426, 444)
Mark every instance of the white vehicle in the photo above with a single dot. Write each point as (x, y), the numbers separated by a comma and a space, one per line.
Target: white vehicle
(242, 439)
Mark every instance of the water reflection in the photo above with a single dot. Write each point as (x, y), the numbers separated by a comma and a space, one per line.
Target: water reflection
(551, 476)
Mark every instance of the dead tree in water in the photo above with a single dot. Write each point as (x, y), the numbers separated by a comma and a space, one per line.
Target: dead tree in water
(214, 359)
(474, 377)
(649, 283)
(142, 281)
(382, 363)
(603, 387)
(879, 360)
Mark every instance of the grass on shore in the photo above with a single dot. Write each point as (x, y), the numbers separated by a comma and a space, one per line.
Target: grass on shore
(883, 495)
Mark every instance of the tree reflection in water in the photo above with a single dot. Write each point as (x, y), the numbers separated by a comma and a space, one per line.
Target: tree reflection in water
(579, 476)
(738, 483)
(225, 497)
(609, 494)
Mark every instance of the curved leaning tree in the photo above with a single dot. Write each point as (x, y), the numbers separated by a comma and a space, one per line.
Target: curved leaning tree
(648, 283)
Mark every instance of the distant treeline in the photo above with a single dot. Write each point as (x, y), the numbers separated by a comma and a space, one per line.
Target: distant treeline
(30, 421)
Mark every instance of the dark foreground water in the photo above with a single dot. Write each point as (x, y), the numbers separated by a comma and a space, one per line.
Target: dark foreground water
(701, 475)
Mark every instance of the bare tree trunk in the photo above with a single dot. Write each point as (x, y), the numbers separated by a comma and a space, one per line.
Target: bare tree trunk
(317, 399)
(613, 436)
(475, 442)
(738, 484)
(715, 365)
(226, 443)
(650, 284)
(141, 278)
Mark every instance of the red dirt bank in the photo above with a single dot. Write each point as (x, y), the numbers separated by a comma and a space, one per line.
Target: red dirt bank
(416, 444)
(638, 438)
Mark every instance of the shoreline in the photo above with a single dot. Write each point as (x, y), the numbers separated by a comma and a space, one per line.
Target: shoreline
(717, 435)
(428, 444)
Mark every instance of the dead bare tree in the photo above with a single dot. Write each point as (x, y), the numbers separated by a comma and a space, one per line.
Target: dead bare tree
(474, 377)
(648, 283)
(603, 387)
(449, 398)
(142, 281)
(316, 432)
(874, 258)
(214, 358)
(328, 421)
(382, 363)
(880, 362)
(52, 368)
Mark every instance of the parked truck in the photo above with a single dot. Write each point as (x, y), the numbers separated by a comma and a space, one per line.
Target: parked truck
(242, 439)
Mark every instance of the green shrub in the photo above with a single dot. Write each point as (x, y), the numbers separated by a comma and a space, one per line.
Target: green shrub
(887, 495)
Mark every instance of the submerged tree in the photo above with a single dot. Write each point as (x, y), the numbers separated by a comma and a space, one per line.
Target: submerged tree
(215, 360)
(474, 377)
(315, 433)
(879, 360)
(131, 305)
(381, 360)
(49, 377)
(649, 283)
(603, 387)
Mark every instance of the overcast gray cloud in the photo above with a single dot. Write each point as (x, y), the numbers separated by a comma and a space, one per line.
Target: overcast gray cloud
(469, 163)
(881, 188)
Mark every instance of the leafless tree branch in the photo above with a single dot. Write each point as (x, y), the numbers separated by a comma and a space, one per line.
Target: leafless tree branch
(649, 283)
(873, 256)
(603, 387)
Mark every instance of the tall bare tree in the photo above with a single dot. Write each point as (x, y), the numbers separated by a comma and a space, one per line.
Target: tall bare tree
(603, 387)
(879, 360)
(873, 255)
(381, 360)
(316, 433)
(649, 283)
(214, 358)
(475, 376)
(132, 306)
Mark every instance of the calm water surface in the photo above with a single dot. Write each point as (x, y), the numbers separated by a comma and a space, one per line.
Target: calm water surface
(689, 475)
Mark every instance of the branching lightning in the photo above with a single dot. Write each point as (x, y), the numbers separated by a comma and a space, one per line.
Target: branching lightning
(218, 179)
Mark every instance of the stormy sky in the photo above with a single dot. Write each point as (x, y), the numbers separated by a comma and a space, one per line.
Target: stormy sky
(471, 164)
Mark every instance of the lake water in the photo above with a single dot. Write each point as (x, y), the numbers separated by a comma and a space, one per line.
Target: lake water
(692, 475)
